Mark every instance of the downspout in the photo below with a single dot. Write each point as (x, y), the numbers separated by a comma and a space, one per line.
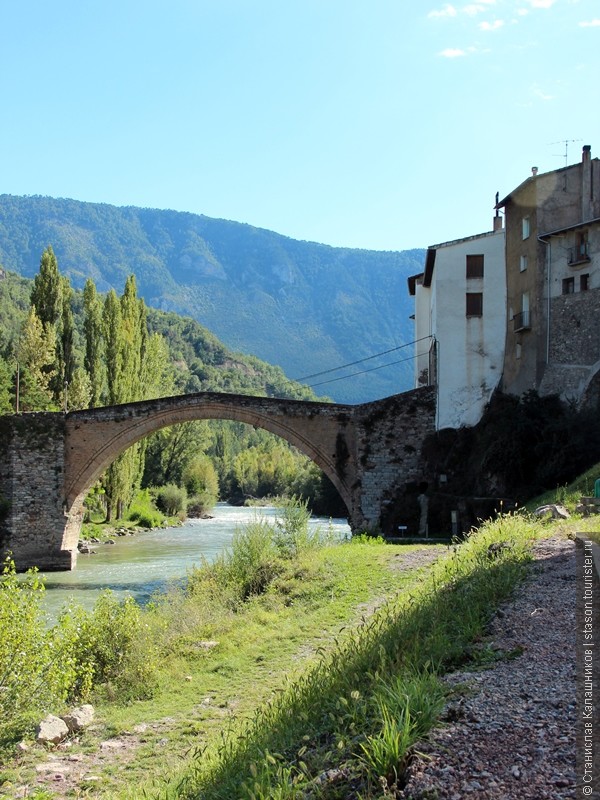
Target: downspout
(549, 261)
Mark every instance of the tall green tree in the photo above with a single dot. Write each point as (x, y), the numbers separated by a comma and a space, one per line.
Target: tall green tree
(36, 356)
(94, 344)
(125, 339)
(6, 380)
(64, 340)
(46, 294)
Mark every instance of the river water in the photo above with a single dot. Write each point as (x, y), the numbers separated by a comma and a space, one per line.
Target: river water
(146, 563)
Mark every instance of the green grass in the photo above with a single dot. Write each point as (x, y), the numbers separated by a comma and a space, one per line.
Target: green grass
(357, 711)
(570, 494)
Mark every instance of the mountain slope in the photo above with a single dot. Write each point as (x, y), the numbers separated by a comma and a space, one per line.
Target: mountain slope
(303, 306)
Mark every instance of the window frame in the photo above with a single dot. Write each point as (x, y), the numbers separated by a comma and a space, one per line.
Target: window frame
(474, 304)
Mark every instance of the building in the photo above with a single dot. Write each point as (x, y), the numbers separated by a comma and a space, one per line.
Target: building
(552, 223)
(460, 320)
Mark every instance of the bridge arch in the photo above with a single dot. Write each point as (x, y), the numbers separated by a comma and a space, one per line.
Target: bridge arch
(93, 443)
(48, 460)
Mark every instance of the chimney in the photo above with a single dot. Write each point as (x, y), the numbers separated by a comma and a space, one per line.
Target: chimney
(497, 223)
(586, 183)
(534, 171)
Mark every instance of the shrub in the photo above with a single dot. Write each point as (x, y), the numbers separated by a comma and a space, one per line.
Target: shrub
(111, 646)
(171, 499)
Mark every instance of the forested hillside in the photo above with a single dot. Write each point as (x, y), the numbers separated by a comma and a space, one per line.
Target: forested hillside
(303, 306)
(63, 348)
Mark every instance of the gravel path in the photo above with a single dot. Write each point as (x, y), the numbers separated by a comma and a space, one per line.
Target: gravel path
(510, 735)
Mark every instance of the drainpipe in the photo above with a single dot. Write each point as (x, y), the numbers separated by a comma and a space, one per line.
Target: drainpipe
(549, 261)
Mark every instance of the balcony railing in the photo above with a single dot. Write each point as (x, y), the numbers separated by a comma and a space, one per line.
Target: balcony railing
(522, 321)
(579, 254)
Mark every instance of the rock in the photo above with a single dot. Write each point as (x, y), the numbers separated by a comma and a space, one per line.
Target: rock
(22, 747)
(83, 548)
(207, 645)
(554, 510)
(109, 541)
(51, 730)
(79, 718)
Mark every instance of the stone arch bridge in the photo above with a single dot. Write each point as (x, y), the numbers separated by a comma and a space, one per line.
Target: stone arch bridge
(49, 460)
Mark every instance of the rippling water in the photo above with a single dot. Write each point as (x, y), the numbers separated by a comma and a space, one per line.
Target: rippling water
(143, 564)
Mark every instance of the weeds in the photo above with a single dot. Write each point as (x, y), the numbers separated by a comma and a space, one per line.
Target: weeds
(365, 704)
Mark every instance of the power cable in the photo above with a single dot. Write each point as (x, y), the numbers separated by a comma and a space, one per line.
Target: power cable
(364, 371)
(361, 361)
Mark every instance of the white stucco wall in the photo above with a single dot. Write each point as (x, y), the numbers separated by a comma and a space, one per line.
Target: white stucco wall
(470, 349)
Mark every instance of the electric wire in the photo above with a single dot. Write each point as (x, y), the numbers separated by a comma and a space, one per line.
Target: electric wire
(364, 371)
(361, 361)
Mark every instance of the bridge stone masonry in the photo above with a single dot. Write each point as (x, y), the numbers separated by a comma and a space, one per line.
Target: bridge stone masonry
(49, 460)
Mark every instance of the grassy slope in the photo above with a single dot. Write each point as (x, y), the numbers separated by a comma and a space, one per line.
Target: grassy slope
(259, 649)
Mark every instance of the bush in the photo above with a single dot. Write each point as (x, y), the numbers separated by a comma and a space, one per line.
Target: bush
(171, 499)
(143, 511)
(36, 669)
(111, 646)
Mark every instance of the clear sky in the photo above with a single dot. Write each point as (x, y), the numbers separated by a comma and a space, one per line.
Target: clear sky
(384, 124)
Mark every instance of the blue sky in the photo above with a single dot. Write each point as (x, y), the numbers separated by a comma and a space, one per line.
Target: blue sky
(384, 124)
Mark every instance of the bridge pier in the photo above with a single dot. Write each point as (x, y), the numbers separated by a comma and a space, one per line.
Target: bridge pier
(49, 461)
(34, 526)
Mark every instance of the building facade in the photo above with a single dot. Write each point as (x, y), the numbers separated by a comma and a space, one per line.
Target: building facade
(552, 224)
(460, 313)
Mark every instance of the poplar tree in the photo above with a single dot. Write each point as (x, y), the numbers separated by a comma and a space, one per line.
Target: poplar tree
(47, 289)
(94, 345)
(36, 355)
(64, 339)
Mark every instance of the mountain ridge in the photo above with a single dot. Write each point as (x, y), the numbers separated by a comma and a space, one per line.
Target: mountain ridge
(304, 306)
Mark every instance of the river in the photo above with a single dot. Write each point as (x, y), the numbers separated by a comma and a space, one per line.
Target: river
(148, 562)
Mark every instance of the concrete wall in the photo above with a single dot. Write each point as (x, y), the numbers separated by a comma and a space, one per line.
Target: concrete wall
(470, 349)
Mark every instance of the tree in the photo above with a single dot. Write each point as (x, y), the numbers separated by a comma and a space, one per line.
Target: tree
(94, 345)
(64, 341)
(6, 375)
(36, 351)
(47, 289)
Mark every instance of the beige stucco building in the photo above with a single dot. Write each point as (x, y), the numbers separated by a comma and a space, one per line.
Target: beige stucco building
(552, 223)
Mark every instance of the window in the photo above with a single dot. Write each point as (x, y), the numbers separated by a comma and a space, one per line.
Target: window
(475, 266)
(521, 320)
(579, 253)
(584, 282)
(474, 304)
(523, 264)
(518, 350)
(568, 285)
(525, 227)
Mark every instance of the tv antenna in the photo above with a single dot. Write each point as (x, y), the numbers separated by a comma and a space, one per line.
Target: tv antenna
(566, 143)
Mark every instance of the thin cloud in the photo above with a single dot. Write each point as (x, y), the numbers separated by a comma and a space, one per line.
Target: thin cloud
(491, 26)
(453, 52)
(537, 91)
(592, 23)
(446, 11)
(541, 3)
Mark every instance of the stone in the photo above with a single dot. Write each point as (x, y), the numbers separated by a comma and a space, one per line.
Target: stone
(79, 718)
(51, 730)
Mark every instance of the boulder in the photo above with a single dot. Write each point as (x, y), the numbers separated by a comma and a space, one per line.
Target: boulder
(79, 718)
(51, 730)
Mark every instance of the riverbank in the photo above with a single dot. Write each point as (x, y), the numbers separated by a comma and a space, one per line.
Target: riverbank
(204, 689)
(226, 678)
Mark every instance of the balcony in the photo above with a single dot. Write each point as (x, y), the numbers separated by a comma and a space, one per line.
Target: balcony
(522, 321)
(579, 254)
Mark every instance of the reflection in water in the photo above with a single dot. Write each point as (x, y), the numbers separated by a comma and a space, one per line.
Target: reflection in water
(144, 564)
